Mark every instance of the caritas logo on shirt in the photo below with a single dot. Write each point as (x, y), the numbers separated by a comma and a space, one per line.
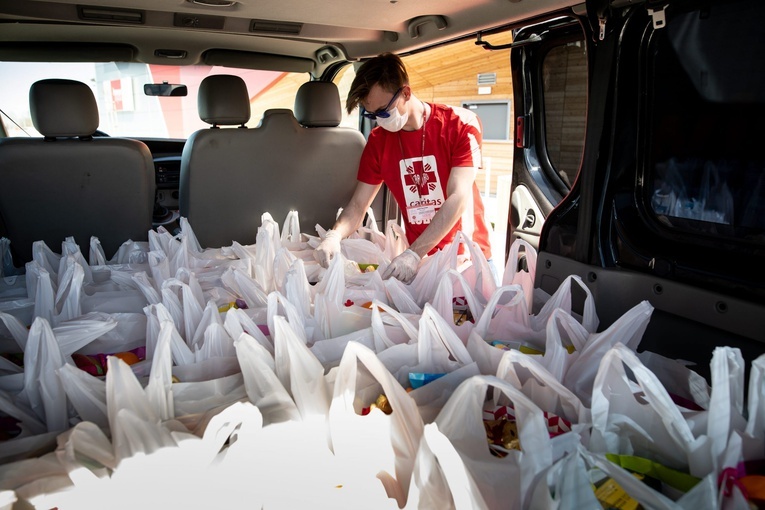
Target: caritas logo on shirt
(422, 190)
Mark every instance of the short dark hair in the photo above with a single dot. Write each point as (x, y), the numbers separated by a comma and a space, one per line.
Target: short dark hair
(386, 70)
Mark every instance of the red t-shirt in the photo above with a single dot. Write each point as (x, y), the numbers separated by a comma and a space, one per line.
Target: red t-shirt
(418, 177)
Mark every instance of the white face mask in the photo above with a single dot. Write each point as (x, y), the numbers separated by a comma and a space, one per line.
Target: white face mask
(395, 122)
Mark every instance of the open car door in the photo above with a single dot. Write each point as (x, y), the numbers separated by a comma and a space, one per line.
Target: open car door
(638, 165)
(549, 66)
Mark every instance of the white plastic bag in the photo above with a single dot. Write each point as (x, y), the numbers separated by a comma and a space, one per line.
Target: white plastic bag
(478, 273)
(440, 479)
(329, 351)
(529, 376)
(238, 322)
(264, 389)
(437, 356)
(396, 242)
(562, 299)
(400, 297)
(300, 372)
(567, 485)
(755, 427)
(46, 259)
(639, 418)
(437, 350)
(515, 276)
(291, 235)
(86, 393)
(362, 288)
(472, 264)
(6, 259)
(297, 289)
(363, 251)
(392, 329)
(566, 340)
(454, 296)
(501, 482)
(376, 445)
(332, 316)
(245, 287)
(42, 387)
(627, 330)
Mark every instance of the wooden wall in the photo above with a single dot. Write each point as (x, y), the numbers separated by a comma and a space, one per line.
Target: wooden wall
(449, 75)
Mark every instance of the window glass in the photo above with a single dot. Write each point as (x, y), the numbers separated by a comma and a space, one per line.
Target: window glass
(343, 80)
(564, 82)
(494, 118)
(707, 169)
(124, 109)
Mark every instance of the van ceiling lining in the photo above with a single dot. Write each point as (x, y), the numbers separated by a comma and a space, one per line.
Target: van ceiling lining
(66, 52)
(253, 60)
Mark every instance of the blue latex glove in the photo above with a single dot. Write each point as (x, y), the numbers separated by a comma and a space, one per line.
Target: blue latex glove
(403, 267)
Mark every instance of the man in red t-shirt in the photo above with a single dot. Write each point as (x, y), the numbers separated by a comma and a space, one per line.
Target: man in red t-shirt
(426, 154)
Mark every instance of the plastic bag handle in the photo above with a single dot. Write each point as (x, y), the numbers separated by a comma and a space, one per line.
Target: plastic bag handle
(726, 403)
(432, 321)
(562, 299)
(556, 356)
(445, 290)
(291, 229)
(615, 360)
(511, 268)
(506, 372)
(378, 325)
(755, 427)
(518, 299)
(294, 317)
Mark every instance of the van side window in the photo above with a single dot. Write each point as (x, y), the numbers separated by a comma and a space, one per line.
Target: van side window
(564, 81)
(343, 80)
(705, 114)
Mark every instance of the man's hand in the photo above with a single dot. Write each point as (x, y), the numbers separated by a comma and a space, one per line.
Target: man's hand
(328, 248)
(403, 267)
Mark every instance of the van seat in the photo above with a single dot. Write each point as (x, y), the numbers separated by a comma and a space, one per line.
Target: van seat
(69, 183)
(230, 177)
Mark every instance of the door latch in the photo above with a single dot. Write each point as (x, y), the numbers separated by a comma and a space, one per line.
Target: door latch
(531, 219)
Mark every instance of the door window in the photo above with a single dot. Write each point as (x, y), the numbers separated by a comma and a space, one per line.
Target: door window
(705, 173)
(564, 90)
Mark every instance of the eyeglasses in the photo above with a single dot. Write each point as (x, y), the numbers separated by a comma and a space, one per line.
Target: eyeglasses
(383, 113)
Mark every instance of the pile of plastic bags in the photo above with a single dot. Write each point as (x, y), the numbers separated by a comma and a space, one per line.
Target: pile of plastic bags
(249, 376)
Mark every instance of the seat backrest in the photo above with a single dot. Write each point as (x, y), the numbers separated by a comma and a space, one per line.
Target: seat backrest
(70, 183)
(230, 177)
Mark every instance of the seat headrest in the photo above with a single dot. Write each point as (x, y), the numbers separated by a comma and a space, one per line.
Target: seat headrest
(317, 104)
(63, 108)
(279, 119)
(223, 100)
